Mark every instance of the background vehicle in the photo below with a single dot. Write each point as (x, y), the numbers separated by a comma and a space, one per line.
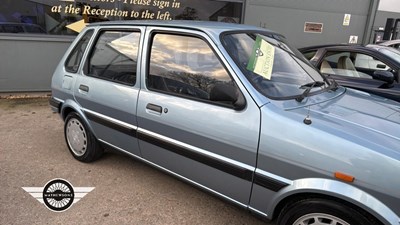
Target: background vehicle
(20, 28)
(372, 68)
(236, 111)
(393, 43)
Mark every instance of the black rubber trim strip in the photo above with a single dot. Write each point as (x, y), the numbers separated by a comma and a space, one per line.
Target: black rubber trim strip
(55, 103)
(269, 183)
(221, 165)
(126, 130)
(207, 160)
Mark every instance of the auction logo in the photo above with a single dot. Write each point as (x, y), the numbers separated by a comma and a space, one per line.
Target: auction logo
(58, 195)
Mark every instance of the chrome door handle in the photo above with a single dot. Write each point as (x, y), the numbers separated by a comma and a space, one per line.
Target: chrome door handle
(84, 88)
(155, 108)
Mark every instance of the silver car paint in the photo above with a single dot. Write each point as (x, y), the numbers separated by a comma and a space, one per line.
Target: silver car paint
(331, 143)
(331, 147)
(217, 130)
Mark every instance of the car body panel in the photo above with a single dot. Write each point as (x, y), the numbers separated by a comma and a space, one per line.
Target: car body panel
(392, 43)
(200, 128)
(256, 156)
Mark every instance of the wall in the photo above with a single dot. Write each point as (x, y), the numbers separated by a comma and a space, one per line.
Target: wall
(289, 16)
(27, 63)
(382, 16)
(389, 6)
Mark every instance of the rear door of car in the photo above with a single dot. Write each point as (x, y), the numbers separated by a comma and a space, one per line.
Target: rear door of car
(108, 87)
(182, 127)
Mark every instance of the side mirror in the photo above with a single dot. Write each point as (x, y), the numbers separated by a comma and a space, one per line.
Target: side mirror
(230, 94)
(383, 75)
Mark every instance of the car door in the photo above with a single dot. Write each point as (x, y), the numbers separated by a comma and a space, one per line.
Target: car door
(354, 69)
(108, 87)
(183, 127)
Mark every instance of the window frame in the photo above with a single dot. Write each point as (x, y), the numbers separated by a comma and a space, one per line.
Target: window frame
(70, 55)
(296, 53)
(99, 33)
(151, 36)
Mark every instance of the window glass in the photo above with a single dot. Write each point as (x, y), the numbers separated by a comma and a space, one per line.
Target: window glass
(55, 17)
(114, 57)
(391, 53)
(185, 66)
(310, 55)
(363, 61)
(289, 73)
(74, 59)
(351, 64)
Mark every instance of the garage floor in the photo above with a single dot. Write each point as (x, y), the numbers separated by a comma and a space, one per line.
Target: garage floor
(33, 152)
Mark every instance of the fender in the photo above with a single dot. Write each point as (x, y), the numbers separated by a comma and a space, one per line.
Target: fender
(338, 190)
(71, 104)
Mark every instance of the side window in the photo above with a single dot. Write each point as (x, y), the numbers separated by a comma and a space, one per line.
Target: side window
(367, 62)
(345, 64)
(114, 57)
(309, 55)
(186, 66)
(74, 59)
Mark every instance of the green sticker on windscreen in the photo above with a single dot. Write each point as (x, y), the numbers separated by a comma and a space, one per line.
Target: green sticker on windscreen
(262, 58)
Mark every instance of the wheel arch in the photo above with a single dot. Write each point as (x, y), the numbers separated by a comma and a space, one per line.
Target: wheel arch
(70, 106)
(333, 190)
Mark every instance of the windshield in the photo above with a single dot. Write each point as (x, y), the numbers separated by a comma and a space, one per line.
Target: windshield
(275, 69)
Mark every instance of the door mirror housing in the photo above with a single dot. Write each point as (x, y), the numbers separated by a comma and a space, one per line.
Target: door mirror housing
(385, 76)
(226, 93)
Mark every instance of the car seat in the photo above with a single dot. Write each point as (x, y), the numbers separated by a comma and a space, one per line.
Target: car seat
(326, 68)
(345, 64)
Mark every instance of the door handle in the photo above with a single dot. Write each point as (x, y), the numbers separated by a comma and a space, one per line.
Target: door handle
(84, 88)
(155, 108)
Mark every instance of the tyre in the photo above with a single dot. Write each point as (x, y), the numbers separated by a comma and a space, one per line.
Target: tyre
(81, 142)
(323, 212)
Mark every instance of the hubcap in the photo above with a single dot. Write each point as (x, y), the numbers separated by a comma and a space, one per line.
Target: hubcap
(76, 137)
(319, 219)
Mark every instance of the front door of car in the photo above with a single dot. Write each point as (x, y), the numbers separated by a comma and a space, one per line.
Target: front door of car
(187, 125)
(108, 88)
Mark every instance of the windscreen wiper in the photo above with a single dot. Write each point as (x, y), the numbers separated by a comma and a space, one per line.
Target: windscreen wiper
(308, 87)
(334, 84)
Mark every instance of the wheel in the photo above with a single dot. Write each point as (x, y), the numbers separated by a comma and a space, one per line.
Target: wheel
(81, 142)
(323, 212)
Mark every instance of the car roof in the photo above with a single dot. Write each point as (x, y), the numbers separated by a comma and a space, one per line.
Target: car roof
(209, 27)
(338, 46)
(391, 42)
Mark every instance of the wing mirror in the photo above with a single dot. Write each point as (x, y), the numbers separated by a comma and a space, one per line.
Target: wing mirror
(226, 93)
(385, 76)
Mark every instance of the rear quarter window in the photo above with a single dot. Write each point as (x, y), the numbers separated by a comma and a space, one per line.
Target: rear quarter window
(309, 55)
(75, 57)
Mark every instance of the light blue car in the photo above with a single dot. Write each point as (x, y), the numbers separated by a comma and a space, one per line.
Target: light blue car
(236, 111)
